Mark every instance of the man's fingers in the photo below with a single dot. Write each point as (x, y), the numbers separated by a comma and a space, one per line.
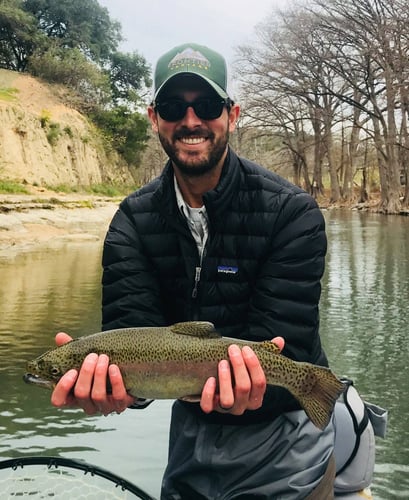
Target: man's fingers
(257, 377)
(62, 338)
(87, 389)
(61, 395)
(242, 381)
(209, 398)
(279, 342)
(83, 387)
(98, 393)
(226, 392)
(120, 398)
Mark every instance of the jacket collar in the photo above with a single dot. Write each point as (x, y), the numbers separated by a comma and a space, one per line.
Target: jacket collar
(221, 198)
(216, 201)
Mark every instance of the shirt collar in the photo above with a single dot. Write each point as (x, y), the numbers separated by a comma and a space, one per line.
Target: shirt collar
(182, 205)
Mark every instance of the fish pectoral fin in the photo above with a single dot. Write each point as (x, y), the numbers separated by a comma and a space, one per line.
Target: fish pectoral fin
(201, 329)
(192, 398)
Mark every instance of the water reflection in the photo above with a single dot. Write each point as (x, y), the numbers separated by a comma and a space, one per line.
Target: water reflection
(363, 323)
(364, 326)
(42, 293)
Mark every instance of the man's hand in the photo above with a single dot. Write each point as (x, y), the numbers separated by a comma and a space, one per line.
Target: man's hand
(86, 389)
(249, 383)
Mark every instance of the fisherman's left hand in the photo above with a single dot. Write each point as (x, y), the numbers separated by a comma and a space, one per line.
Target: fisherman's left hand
(86, 388)
(247, 391)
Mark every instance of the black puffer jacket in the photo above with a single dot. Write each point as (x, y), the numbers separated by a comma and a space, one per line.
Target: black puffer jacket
(260, 275)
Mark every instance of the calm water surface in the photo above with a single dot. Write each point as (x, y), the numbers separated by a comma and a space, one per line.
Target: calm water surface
(364, 328)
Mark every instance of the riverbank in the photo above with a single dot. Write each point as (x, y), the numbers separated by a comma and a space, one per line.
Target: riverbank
(47, 218)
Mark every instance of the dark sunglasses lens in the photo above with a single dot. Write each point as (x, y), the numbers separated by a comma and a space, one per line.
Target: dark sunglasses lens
(175, 110)
(208, 109)
(171, 111)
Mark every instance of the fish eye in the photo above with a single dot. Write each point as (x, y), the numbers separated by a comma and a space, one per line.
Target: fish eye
(55, 370)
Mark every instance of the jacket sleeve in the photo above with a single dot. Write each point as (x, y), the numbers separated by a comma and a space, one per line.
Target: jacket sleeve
(288, 285)
(130, 291)
(130, 294)
(287, 291)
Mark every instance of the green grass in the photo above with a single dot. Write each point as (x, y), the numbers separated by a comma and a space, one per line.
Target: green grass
(64, 203)
(53, 133)
(63, 188)
(109, 190)
(12, 187)
(8, 93)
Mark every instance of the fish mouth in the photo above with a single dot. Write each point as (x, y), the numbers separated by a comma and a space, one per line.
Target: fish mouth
(30, 378)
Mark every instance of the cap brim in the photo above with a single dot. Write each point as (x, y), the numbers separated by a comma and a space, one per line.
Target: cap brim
(222, 93)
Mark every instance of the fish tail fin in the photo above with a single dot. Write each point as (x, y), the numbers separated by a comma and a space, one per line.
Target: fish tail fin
(320, 391)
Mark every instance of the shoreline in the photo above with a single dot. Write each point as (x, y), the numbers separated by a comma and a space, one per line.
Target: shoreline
(30, 221)
(46, 219)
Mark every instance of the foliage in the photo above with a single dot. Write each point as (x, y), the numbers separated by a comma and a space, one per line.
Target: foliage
(75, 43)
(70, 67)
(62, 188)
(12, 187)
(54, 132)
(81, 24)
(45, 118)
(8, 93)
(125, 130)
(128, 74)
(68, 131)
(72, 42)
(109, 190)
(18, 35)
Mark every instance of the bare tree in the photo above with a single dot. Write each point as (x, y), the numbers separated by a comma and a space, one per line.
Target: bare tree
(345, 62)
(288, 67)
(366, 35)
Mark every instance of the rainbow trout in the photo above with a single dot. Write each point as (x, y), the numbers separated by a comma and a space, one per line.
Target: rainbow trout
(174, 362)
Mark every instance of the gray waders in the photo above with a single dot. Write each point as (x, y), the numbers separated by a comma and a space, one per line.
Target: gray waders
(288, 458)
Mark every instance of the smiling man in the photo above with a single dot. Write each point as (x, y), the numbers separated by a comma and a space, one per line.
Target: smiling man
(217, 238)
(193, 117)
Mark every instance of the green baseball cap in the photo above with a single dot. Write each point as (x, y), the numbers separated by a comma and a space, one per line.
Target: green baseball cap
(192, 59)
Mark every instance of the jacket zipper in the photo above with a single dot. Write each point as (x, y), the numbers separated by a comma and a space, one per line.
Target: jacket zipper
(198, 270)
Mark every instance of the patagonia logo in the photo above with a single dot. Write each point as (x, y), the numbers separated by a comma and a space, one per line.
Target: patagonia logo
(227, 269)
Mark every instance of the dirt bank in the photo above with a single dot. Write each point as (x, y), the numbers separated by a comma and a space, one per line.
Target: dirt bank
(45, 141)
(49, 219)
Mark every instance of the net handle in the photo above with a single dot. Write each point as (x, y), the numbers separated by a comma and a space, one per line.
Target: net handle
(50, 462)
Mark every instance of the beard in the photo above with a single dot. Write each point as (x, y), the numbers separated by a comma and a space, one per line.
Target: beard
(196, 165)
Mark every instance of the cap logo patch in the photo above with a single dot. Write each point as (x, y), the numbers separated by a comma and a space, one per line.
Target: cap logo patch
(189, 57)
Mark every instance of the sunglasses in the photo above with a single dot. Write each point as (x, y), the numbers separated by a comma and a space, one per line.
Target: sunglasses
(175, 109)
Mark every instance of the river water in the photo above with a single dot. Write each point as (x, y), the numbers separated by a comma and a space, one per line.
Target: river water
(364, 329)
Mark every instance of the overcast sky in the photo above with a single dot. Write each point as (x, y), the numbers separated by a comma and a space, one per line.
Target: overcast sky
(152, 27)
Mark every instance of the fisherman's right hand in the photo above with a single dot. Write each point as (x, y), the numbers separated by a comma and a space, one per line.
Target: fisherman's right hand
(86, 388)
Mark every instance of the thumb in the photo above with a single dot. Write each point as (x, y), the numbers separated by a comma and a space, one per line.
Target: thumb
(279, 342)
(62, 338)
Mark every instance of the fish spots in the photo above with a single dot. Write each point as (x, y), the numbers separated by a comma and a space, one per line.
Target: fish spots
(174, 362)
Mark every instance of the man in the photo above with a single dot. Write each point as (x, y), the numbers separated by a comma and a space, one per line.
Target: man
(217, 238)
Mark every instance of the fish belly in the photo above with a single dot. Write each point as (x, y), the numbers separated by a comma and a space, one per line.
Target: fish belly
(167, 380)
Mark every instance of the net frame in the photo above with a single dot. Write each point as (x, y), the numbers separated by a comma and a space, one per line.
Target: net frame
(60, 464)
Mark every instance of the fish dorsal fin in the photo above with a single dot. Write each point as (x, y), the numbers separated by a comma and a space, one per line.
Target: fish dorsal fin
(270, 346)
(201, 329)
